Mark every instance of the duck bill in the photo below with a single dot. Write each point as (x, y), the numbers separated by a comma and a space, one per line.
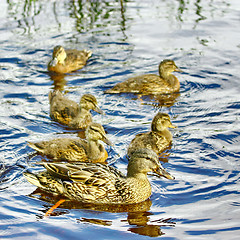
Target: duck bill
(99, 110)
(161, 172)
(178, 69)
(107, 141)
(53, 62)
(172, 126)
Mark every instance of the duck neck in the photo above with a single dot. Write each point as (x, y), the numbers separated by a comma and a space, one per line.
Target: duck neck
(139, 181)
(95, 149)
(83, 110)
(133, 170)
(170, 78)
(61, 61)
(139, 176)
(163, 132)
(82, 119)
(83, 115)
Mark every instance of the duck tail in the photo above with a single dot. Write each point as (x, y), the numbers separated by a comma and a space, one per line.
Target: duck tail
(36, 147)
(111, 91)
(33, 179)
(53, 94)
(88, 53)
(45, 181)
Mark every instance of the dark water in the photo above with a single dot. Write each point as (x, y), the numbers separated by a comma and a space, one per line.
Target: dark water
(203, 39)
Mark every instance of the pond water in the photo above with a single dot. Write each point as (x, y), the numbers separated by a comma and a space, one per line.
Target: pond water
(127, 39)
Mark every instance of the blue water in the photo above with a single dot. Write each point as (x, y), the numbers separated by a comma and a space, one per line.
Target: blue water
(202, 37)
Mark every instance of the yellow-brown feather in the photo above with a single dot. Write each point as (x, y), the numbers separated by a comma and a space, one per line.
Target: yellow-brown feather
(74, 60)
(100, 183)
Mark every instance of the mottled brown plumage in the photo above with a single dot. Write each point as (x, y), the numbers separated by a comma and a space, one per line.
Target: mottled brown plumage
(70, 113)
(75, 150)
(98, 183)
(158, 139)
(146, 84)
(65, 61)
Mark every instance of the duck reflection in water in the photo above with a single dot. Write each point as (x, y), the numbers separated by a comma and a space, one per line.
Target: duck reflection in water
(138, 215)
(59, 81)
(162, 100)
(144, 226)
(157, 100)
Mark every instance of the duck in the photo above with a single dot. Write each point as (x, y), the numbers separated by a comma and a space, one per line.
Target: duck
(148, 84)
(66, 61)
(75, 150)
(70, 113)
(158, 139)
(100, 183)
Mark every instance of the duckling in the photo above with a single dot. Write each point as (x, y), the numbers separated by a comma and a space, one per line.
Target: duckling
(68, 112)
(98, 183)
(158, 139)
(146, 84)
(74, 150)
(65, 61)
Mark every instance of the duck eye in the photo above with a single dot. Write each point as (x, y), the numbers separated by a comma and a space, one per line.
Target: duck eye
(149, 158)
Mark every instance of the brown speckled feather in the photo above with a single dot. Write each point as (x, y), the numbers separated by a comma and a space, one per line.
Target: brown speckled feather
(70, 113)
(75, 150)
(62, 109)
(163, 83)
(158, 139)
(145, 84)
(151, 140)
(89, 182)
(68, 60)
(98, 183)
(62, 149)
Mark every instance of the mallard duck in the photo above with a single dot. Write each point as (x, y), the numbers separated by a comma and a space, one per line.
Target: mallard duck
(146, 84)
(158, 139)
(100, 183)
(74, 150)
(68, 112)
(65, 61)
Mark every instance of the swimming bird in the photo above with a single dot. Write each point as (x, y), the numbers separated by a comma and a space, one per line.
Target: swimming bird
(100, 183)
(158, 139)
(65, 61)
(70, 113)
(147, 84)
(74, 150)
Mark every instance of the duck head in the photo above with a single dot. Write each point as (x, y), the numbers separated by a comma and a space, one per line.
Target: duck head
(89, 102)
(143, 161)
(59, 55)
(161, 121)
(95, 132)
(167, 66)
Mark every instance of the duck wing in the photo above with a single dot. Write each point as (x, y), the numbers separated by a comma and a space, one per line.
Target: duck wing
(62, 149)
(144, 84)
(77, 59)
(88, 182)
(62, 109)
(150, 140)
